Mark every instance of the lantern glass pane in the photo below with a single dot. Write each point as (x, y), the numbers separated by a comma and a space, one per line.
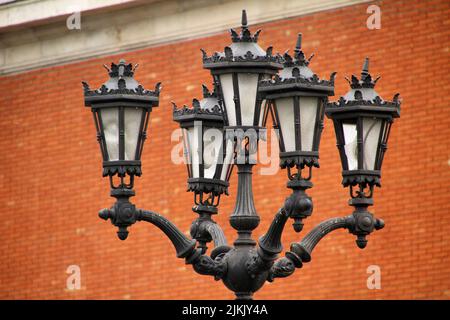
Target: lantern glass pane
(212, 141)
(195, 145)
(110, 124)
(133, 118)
(308, 112)
(187, 151)
(226, 82)
(248, 86)
(264, 107)
(261, 122)
(385, 135)
(351, 146)
(371, 136)
(285, 112)
(228, 159)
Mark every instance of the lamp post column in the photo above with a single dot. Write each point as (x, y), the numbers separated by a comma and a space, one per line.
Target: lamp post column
(244, 218)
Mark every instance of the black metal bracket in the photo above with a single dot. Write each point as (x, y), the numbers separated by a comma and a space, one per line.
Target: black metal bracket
(360, 223)
(204, 229)
(123, 214)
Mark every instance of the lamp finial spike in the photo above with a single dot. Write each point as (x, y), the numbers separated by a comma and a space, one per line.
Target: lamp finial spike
(244, 19)
(365, 68)
(298, 46)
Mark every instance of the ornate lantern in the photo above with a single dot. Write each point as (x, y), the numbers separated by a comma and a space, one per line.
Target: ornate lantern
(208, 158)
(238, 71)
(121, 109)
(362, 122)
(297, 97)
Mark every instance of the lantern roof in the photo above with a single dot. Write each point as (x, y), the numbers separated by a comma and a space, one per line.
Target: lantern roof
(298, 61)
(363, 97)
(363, 88)
(296, 75)
(244, 50)
(210, 101)
(121, 86)
(206, 109)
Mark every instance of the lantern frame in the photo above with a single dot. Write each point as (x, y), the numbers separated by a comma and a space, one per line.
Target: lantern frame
(254, 61)
(297, 80)
(210, 117)
(121, 91)
(362, 102)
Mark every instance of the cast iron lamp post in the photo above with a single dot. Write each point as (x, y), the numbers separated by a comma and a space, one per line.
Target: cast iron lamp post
(223, 130)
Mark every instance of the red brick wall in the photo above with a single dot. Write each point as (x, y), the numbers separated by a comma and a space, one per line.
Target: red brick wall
(52, 187)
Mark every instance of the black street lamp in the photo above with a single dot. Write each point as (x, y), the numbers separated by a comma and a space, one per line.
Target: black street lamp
(227, 123)
(296, 99)
(209, 162)
(362, 122)
(238, 71)
(121, 109)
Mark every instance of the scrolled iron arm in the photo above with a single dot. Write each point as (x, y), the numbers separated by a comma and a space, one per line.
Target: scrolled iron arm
(123, 214)
(183, 245)
(359, 223)
(216, 233)
(304, 248)
(204, 229)
(301, 251)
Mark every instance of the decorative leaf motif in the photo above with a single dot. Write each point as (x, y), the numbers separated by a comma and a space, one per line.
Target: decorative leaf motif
(103, 90)
(196, 109)
(310, 82)
(158, 88)
(228, 53)
(246, 36)
(234, 35)
(353, 180)
(396, 98)
(355, 81)
(298, 160)
(208, 187)
(333, 77)
(204, 54)
(256, 35)
(249, 55)
(85, 87)
(121, 84)
(119, 72)
(132, 170)
(217, 58)
(376, 80)
(377, 101)
(205, 90)
(196, 104)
